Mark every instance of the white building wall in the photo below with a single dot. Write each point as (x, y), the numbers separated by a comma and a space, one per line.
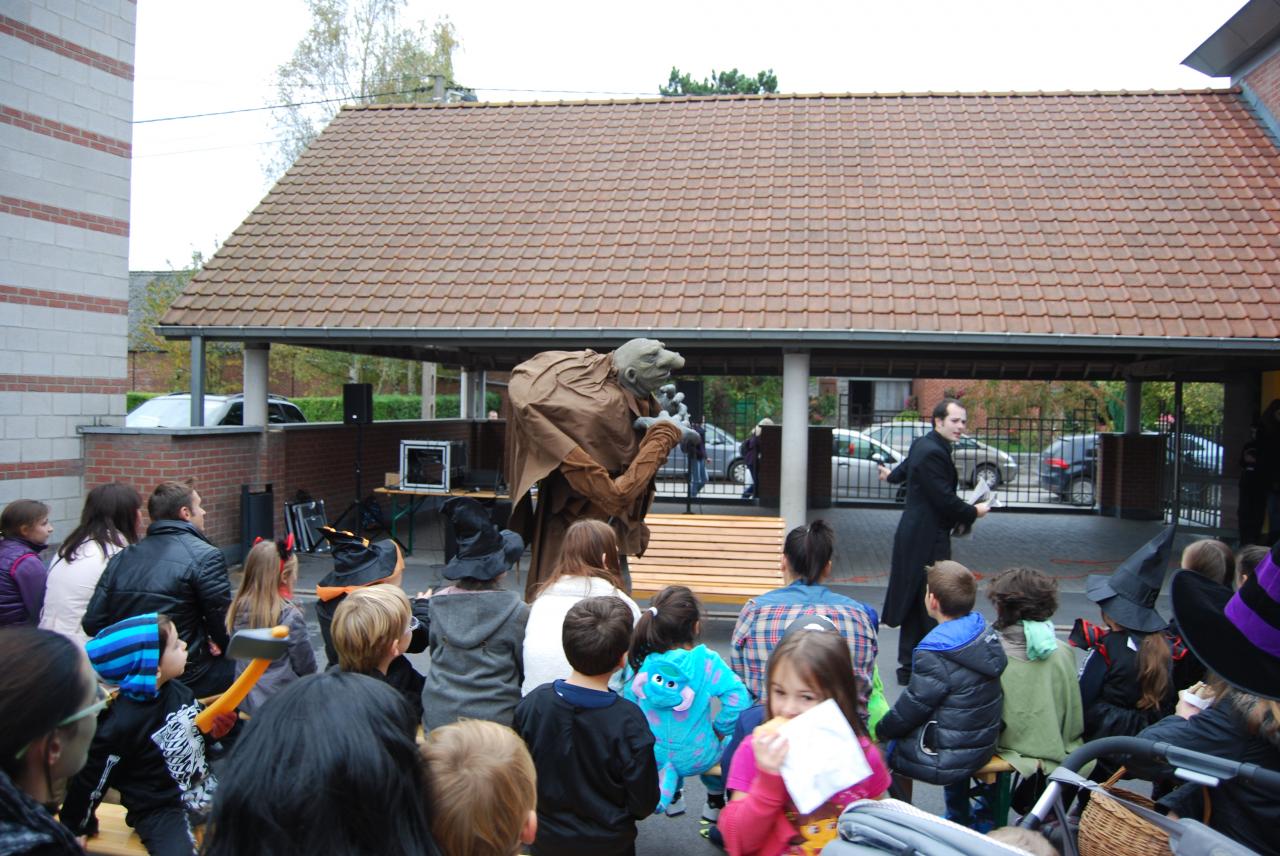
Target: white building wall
(66, 104)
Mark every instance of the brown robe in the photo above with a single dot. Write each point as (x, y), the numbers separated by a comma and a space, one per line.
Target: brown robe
(571, 433)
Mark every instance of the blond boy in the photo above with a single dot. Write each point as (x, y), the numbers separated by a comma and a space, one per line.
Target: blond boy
(371, 628)
(484, 789)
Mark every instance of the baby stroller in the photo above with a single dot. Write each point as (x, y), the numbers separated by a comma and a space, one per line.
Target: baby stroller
(889, 826)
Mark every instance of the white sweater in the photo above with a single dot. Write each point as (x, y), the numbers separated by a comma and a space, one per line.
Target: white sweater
(70, 585)
(544, 659)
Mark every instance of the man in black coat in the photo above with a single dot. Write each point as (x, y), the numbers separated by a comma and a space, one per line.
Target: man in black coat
(924, 532)
(178, 572)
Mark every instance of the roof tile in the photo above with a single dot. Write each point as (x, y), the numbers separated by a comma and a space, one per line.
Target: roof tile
(1125, 213)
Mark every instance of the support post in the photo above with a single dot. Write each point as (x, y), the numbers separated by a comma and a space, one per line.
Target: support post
(1133, 407)
(1177, 451)
(794, 470)
(471, 383)
(256, 371)
(197, 381)
(428, 390)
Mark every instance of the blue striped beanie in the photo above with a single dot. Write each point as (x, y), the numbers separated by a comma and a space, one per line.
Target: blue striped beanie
(128, 654)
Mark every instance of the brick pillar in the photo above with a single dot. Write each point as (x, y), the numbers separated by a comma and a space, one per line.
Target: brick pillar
(819, 483)
(1130, 479)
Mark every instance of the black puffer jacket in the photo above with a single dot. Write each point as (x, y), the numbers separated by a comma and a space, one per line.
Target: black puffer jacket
(1245, 812)
(174, 570)
(948, 719)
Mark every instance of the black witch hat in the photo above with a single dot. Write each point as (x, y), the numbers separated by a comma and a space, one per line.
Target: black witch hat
(1128, 594)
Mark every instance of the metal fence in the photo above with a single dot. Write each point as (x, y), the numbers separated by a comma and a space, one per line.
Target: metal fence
(1193, 475)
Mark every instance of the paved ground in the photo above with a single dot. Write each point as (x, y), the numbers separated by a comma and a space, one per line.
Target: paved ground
(1068, 546)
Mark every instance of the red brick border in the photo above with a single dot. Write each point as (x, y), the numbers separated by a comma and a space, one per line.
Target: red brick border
(50, 42)
(53, 383)
(41, 469)
(61, 131)
(62, 300)
(63, 216)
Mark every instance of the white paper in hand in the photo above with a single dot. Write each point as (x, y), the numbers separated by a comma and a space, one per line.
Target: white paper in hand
(824, 756)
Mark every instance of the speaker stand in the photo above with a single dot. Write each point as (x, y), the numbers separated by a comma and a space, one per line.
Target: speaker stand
(355, 505)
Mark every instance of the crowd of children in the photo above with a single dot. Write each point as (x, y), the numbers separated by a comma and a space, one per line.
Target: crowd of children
(555, 727)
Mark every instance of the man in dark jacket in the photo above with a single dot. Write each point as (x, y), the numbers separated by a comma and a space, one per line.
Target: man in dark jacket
(177, 572)
(924, 532)
(946, 724)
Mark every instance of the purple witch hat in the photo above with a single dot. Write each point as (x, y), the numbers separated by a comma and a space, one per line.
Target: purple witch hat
(1236, 635)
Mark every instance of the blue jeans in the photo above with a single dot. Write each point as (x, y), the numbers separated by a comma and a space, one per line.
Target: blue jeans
(969, 804)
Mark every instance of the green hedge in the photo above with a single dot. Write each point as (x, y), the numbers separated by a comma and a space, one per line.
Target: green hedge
(328, 408)
(133, 399)
(387, 407)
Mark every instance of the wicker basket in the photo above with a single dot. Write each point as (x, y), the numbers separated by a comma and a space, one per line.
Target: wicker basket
(1108, 828)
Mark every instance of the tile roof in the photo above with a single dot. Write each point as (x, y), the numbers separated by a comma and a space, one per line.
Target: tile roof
(1113, 214)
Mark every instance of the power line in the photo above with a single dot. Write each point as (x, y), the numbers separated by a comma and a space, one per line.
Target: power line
(414, 91)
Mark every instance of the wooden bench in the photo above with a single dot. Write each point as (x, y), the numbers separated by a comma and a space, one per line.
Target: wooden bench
(723, 558)
(115, 837)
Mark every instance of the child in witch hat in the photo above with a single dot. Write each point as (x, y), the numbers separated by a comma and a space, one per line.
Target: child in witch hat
(358, 563)
(1237, 636)
(475, 627)
(1127, 681)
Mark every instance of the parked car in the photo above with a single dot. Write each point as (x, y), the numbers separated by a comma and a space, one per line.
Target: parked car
(1069, 468)
(974, 459)
(855, 463)
(723, 461)
(174, 411)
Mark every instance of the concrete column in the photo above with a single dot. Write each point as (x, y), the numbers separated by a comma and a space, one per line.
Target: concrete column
(256, 362)
(197, 381)
(794, 486)
(428, 390)
(1133, 407)
(471, 384)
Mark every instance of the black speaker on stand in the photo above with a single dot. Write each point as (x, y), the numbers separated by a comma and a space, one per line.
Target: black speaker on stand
(357, 410)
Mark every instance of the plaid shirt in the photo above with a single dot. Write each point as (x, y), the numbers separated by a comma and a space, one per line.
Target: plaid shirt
(764, 619)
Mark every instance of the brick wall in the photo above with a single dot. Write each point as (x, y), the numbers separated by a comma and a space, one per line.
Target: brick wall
(1264, 81)
(66, 101)
(1131, 476)
(316, 458)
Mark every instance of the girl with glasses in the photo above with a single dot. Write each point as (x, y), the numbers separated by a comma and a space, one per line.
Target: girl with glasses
(49, 701)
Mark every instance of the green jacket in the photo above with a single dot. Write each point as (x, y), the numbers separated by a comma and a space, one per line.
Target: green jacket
(1043, 715)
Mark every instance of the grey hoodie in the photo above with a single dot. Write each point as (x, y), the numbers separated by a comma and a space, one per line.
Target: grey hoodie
(475, 639)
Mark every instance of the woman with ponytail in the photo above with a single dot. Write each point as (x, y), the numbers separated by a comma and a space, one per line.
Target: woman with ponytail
(806, 566)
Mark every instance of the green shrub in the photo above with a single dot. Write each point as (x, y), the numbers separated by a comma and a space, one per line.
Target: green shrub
(133, 399)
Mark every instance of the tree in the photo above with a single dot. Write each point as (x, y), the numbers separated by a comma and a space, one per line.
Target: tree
(171, 360)
(357, 51)
(719, 83)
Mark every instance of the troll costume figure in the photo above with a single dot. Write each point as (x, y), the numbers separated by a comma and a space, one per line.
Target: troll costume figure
(587, 429)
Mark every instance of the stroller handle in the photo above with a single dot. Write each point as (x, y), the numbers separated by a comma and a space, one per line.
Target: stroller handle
(1175, 756)
(1196, 765)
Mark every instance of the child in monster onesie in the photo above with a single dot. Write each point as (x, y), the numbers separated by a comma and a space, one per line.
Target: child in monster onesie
(674, 683)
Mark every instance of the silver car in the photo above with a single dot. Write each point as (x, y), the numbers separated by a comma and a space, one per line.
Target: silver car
(974, 460)
(855, 466)
(723, 461)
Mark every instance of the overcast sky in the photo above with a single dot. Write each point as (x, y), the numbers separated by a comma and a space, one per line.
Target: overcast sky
(195, 180)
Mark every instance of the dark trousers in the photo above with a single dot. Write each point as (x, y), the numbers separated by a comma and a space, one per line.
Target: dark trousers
(165, 832)
(915, 626)
(215, 680)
